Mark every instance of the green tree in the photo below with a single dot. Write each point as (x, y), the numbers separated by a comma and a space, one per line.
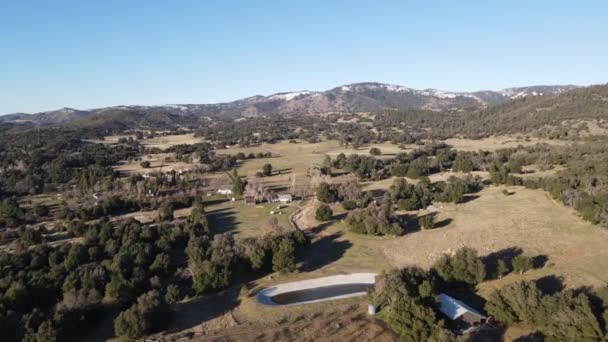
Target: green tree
(464, 266)
(324, 213)
(267, 170)
(283, 259)
(238, 186)
(414, 321)
(326, 193)
(148, 315)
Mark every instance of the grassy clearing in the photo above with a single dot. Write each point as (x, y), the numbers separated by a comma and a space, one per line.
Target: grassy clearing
(496, 143)
(162, 162)
(242, 219)
(166, 141)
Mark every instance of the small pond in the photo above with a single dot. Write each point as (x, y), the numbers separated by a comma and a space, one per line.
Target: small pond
(317, 290)
(322, 292)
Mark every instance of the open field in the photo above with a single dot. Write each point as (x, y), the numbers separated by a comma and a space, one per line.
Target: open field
(166, 141)
(496, 143)
(489, 222)
(245, 220)
(162, 142)
(158, 162)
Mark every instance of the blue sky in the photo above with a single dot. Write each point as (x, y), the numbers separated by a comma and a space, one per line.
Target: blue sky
(87, 54)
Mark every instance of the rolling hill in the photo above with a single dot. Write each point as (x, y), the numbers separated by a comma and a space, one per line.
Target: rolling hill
(358, 97)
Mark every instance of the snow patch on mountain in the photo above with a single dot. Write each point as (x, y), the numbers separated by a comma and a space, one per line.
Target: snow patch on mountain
(289, 96)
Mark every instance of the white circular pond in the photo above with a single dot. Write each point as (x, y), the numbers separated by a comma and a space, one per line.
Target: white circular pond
(317, 290)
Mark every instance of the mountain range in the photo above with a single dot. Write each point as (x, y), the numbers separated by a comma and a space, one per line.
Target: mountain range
(357, 97)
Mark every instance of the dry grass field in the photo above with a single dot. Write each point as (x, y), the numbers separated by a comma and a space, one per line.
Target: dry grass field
(498, 142)
(166, 141)
(158, 162)
(489, 222)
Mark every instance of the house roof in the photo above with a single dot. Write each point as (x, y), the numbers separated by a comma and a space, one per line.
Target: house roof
(453, 308)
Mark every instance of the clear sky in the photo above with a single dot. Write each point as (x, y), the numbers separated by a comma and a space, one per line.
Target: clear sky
(87, 53)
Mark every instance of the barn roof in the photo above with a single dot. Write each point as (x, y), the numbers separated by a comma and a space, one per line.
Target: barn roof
(453, 308)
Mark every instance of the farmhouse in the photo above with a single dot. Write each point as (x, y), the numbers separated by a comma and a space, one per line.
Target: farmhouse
(456, 310)
(283, 198)
(224, 191)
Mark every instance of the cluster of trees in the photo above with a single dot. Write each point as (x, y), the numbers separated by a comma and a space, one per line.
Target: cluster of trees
(256, 130)
(408, 296)
(38, 160)
(109, 206)
(566, 315)
(348, 193)
(375, 219)
(59, 291)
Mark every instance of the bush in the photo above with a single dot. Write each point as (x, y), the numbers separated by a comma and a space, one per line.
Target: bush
(145, 164)
(522, 263)
(324, 213)
(374, 151)
(172, 295)
(349, 205)
(426, 222)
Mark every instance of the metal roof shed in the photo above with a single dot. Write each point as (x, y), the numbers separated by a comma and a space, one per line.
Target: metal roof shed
(455, 309)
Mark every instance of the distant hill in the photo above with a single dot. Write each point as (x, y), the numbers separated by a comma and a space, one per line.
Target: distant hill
(358, 97)
(526, 114)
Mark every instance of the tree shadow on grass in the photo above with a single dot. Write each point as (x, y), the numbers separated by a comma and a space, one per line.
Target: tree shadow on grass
(506, 255)
(202, 309)
(210, 202)
(411, 223)
(222, 220)
(536, 336)
(550, 284)
(539, 261)
(469, 198)
(323, 252)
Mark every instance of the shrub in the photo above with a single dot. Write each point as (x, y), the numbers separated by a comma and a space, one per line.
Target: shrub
(172, 295)
(426, 222)
(145, 164)
(374, 151)
(522, 263)
(324, 213)
(349, 205)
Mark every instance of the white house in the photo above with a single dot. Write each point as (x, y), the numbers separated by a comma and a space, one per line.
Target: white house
(224, 191)
(284, 198)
